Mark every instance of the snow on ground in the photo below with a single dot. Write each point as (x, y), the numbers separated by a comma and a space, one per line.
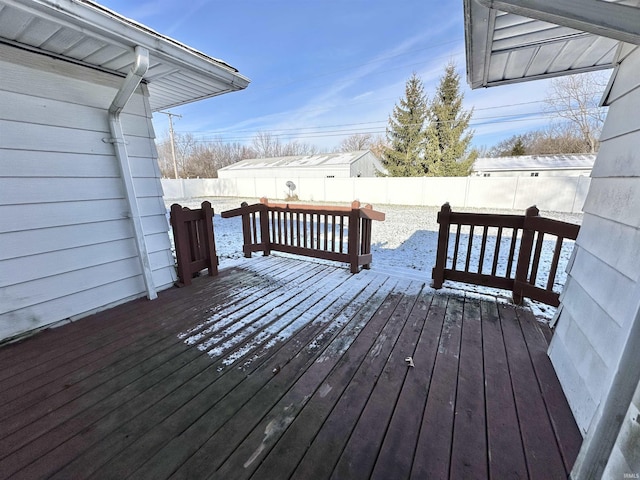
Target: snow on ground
(403, 245)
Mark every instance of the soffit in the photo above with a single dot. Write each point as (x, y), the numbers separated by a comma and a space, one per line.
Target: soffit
(507, 48)
(88, 34)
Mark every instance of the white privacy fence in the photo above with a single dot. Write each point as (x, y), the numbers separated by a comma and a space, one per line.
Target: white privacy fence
(560, 194)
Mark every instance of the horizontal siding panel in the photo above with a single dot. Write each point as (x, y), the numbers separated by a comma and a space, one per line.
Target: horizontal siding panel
(147, 187)
(164, 278)
(150, 206)
(16, 191)
(144, 167)
(47, 138)
(627, 77)
(606, 286)
(625, 258)
(24, 163)
(581, 403)
(29, 217)
(154, 224)
(33, 74)
(17, 297)
(44, 111)
(591, 368)
(615, 198)
(25, 269)
(618, 157)
(158, 242)
(605, 335)
(622, 117)
(79, 304)
(160, 260)
(35, 242)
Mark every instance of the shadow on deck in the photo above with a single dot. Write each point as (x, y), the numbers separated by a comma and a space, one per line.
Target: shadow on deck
(282, 368)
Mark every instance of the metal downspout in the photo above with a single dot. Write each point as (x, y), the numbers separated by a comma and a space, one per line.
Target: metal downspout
(131, 83)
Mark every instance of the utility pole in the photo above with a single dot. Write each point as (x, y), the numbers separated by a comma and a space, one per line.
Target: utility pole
(173, 146)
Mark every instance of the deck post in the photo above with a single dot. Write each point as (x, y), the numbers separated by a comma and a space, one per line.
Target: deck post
(246, 232)
(265, 233)
(181, 241)
(354, 236)
(208, 238)
(524, 256)
(444, 219)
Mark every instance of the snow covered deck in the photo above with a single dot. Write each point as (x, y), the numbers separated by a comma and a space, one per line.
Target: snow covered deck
(282, 368)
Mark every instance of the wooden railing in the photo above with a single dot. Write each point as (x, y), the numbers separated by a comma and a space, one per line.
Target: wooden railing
(194, 241)
(506, 255)
(342, 234)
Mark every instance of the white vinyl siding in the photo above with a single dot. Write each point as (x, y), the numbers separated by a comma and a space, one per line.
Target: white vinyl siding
(66, 240)
(600, 300)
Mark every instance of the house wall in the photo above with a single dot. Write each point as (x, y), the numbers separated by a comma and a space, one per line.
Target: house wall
(625, 456)
(600, 301)
(66, 240)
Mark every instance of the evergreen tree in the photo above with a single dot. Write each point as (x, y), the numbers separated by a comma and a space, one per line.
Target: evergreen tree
(448, 138)
(404, 157)
(518, 147)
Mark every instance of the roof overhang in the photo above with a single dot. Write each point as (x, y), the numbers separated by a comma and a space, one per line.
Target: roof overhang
(510, 41)
(86, 33)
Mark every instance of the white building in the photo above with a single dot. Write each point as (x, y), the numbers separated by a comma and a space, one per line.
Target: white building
(362, 163)
(596, 344)
(534, 166)
(82, 219)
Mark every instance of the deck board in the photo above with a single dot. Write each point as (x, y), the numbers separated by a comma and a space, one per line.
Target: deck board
(282, 368)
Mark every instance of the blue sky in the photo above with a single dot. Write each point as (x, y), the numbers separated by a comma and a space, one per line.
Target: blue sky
(321, 70)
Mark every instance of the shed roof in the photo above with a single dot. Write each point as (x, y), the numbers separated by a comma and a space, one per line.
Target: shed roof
(86, 33)
(509, 41)
(300, 161)
(535, 162)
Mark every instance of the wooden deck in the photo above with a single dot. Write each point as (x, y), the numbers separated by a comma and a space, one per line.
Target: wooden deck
(284, 369)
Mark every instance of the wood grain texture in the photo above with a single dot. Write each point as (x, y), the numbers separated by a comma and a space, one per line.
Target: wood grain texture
(283, 368)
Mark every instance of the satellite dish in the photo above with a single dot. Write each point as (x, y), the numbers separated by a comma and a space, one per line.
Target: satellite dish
(290, 185)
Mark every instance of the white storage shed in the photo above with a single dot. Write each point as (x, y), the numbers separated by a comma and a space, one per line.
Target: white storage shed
(534, 166)
(361, 163)
(82, 221)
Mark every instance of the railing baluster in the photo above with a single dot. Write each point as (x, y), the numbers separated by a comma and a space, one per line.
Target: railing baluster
(469, 249)
(512, 252)
(455, 248)
(554, 264)
(483, 247)
(496, 253)
(325, 219)
(536, 258)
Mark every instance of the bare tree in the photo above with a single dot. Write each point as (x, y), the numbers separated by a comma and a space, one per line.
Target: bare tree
(267, 145)
(355, 142)
(575, 98)
(200, 158)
